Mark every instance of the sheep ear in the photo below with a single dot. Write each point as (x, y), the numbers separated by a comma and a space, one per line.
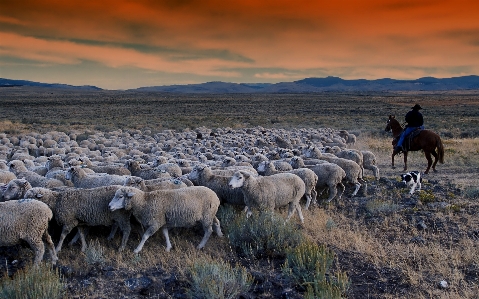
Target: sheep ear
(25, 184)
(130, 194)
(38, 195)
(245, 174)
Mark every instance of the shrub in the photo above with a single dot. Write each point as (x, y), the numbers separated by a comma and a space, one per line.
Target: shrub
(33, 283)
(308, 265)
(94, 254)
(263, 234)
(210, 279)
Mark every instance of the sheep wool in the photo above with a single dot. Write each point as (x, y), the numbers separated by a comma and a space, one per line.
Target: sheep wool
(164, 209)
(27, 220)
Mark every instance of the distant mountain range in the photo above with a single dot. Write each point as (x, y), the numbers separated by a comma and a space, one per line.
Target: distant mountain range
(308, 85)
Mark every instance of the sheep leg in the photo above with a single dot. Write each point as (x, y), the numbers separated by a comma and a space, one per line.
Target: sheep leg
(51, 248)
(38, 248)
(217, 227)
(358, 185)
(300, 213)
(82, 239)
(332, 192)
(167, 238)
(114, 228)
(126, 229)
(208, 230)
(77, 236)
(65, 231)
(308, 202)
(150, 231)
(342, 190)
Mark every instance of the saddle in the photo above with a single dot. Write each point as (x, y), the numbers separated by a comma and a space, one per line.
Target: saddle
(408, 139)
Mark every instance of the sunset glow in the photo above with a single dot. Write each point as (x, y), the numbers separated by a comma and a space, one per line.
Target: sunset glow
(128, 44)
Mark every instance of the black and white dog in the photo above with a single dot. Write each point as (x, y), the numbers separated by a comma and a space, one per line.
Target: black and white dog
(412, 179)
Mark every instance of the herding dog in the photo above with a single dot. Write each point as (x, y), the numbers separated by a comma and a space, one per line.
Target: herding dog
(412, 179)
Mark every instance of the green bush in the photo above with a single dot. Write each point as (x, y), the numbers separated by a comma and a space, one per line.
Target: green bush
(211, 279)
(33, 283)
(263, 234)
(308, 265)
(95, 253)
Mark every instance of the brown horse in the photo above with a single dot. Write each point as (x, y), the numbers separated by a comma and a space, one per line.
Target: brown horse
(427, 141)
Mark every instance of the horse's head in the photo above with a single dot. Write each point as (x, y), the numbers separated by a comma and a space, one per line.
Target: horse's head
(388, 123)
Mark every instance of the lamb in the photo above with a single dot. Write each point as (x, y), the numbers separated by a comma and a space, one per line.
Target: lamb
(172, 168)
(16, 189)
(88, 207)
(139, 183)
(308, 176)
(146, 174)
(36, 180)
(329, 176)
(82, 180)
(170, 208)
(270, 192)
(218, 181)
(27, 220)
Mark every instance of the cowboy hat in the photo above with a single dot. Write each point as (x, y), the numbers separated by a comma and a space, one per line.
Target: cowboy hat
(416, 107)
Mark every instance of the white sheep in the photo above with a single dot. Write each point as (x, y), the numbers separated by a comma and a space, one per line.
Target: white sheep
(170, 208)
(27, 220)
(139, 183)
(80, 179)
(16, 189)
(36, 180)
(352, 169)
(218, 181)
(110, 169)
(329, 176)
(270, 192)
(308, 176)
(146, 174)
(83, 207)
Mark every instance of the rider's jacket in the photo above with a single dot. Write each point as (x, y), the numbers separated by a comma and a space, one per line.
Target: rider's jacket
(414, 119)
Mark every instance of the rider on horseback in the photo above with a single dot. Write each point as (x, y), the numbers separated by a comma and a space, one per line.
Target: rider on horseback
(414, 120)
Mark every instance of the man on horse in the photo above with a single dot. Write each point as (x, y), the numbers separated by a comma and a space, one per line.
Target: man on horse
(414, 120)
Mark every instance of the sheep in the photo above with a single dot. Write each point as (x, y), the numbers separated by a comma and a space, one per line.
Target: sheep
(6, 176)
(270, 192)
(139, 183)
(16, 189)
(351, 168)
(170, 208)
(349, 137)
(329, 176)
(369, 162)
(172, 168)
(88, 207)
(218, 182)
(308, 176)
(36, 180)
(27, 220)
(82, 180)
(110, 169)
(146, 174)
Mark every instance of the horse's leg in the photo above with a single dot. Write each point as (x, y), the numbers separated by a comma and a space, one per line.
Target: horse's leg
(392, 159)
(429, 161)
(405, 161)
(436, 157)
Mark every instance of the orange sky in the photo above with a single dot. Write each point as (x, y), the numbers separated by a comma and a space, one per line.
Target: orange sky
(117, 44)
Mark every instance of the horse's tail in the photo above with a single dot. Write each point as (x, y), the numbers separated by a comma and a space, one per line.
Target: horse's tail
(440, 150)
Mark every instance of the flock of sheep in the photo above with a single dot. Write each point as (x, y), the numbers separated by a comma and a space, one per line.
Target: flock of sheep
(164, 180)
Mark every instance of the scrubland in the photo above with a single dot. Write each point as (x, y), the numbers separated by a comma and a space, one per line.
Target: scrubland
(384, 243)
